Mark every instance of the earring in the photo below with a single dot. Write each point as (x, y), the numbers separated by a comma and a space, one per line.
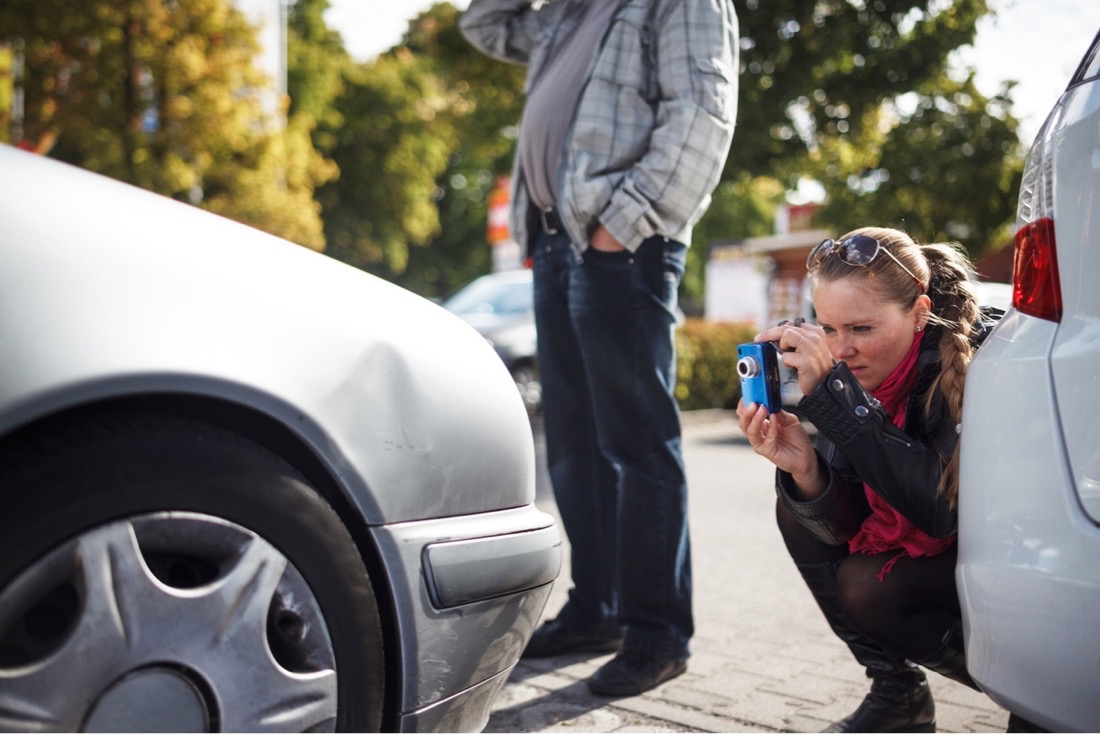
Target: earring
(918, 328)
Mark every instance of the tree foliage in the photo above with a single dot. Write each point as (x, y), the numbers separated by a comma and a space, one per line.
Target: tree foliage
(814, 70)
(166, 96)
(826, 93)
(419, 135)
(393, 145)
(484, 112)
(317, 65)
(947, 169)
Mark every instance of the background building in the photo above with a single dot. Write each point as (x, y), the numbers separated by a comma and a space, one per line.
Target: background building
(269, 17)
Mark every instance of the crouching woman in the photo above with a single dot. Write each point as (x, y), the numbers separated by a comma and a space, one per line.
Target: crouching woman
(869, 516)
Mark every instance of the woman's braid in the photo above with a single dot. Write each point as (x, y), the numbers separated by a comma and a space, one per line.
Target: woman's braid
(955, 311)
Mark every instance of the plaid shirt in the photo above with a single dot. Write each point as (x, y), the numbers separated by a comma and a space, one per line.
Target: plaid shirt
(640, 168)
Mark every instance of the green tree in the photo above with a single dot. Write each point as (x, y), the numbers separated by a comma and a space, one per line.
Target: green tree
(485, 106)
(391, 148)
(422, 133)
(814, 70)
(7, 89)
(166, 96)
(317, 65)
(856, 95)
(947, 169)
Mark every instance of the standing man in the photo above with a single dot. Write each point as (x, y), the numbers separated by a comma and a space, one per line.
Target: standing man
(628, 120)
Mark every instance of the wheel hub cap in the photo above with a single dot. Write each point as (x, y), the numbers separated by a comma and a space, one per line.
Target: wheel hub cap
(155, 699)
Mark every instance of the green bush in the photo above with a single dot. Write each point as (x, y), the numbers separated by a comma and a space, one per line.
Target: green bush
(706, 370)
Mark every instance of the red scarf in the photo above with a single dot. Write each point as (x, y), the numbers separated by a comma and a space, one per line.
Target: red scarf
(885, 528)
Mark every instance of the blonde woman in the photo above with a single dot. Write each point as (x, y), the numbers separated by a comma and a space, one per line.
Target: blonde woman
(868, 515)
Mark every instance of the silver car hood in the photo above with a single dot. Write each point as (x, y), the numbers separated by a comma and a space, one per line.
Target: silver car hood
(108, 290)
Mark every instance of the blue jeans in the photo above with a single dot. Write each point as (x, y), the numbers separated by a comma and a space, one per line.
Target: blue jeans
(607, 361)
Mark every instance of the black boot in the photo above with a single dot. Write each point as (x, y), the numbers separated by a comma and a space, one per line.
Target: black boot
(949, 659)
(900, 699)
(900, 702)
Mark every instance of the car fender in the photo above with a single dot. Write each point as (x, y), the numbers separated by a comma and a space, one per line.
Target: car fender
(107, 291)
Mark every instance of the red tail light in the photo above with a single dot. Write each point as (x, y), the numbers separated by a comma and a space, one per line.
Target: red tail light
(1036, 289)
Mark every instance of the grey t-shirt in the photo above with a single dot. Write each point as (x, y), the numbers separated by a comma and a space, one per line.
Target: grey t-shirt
(553, 100)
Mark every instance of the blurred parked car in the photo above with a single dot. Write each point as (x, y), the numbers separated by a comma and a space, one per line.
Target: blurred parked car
(994, 294)
(501, 306)
(1029, 501)
(245, 487)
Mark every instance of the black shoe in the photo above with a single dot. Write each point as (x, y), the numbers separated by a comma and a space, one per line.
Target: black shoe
(555, 637)
(897, 703)
(631, 673)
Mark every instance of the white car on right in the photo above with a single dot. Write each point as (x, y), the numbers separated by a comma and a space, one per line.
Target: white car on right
(1029, 500)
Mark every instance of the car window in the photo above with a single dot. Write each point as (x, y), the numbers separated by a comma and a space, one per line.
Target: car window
(492, 298)
(1090, 65)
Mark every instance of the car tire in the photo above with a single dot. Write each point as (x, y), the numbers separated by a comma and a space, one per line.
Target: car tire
(177, 576)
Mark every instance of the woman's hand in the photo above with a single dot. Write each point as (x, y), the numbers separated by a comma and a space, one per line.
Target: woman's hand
(780, 438)
(802, 347)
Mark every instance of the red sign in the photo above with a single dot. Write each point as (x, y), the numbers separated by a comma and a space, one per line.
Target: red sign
(499, 207)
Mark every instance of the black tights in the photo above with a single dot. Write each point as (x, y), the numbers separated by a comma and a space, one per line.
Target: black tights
(907, 612)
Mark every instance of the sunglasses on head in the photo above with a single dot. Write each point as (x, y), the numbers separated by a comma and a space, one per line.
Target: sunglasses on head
(857, 250)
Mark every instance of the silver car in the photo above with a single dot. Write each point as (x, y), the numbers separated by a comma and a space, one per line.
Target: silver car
(244, 486)
(1029, 501)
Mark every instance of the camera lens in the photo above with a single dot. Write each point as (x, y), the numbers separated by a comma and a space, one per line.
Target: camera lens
(747, 367)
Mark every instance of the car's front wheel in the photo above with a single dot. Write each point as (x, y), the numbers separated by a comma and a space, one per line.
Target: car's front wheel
(158, 574)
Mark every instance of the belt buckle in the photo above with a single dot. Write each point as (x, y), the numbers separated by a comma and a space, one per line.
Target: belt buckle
(546, 228)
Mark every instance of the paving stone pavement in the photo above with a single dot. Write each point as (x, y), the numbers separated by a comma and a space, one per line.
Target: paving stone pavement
(763, 658)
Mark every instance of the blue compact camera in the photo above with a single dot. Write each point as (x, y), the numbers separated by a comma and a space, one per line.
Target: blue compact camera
(758, 367)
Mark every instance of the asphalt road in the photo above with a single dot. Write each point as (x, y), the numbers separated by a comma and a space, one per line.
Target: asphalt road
(763, 657)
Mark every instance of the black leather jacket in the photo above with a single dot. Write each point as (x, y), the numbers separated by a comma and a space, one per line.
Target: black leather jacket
(857, 443)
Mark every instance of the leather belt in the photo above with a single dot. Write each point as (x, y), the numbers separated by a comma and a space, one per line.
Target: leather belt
(550, 220)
